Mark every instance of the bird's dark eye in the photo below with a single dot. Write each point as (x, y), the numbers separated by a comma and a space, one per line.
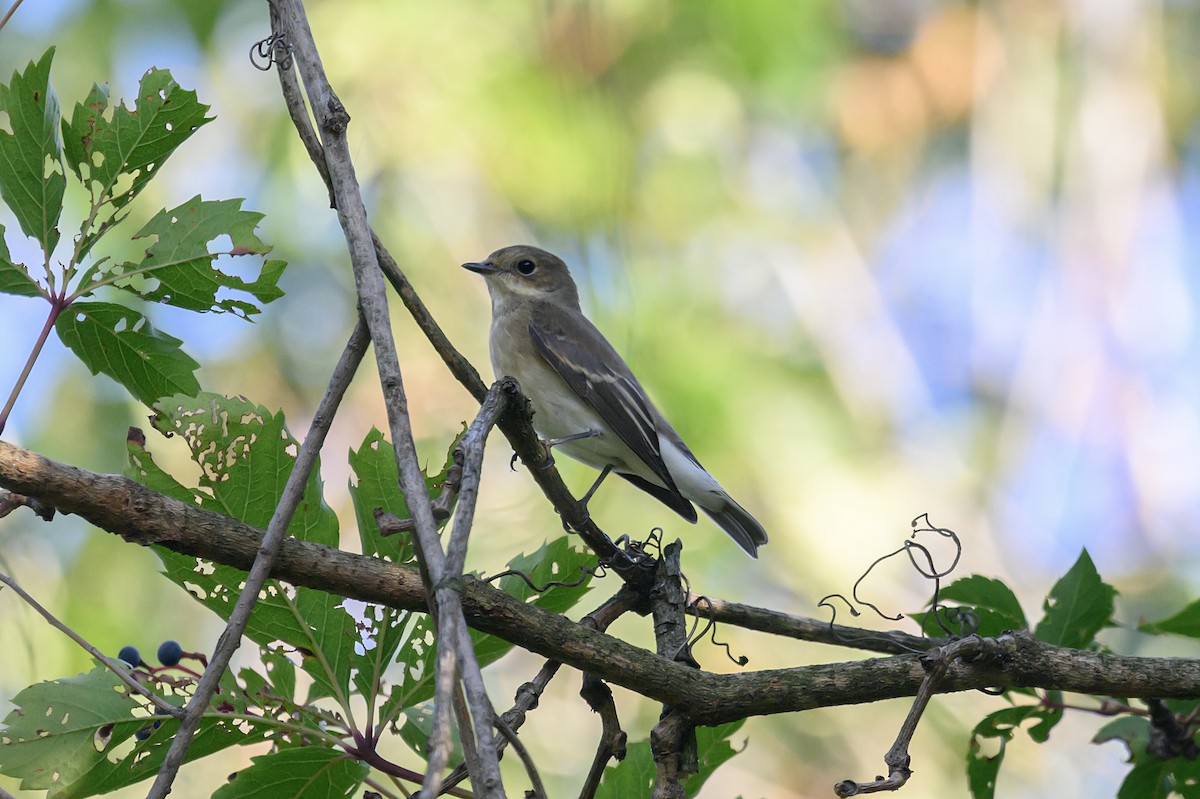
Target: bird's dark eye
(526, 267)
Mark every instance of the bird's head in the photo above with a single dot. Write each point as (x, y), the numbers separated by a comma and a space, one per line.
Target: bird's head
(526, 274)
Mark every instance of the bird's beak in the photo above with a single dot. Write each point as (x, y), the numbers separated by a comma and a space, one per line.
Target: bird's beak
(484, 268)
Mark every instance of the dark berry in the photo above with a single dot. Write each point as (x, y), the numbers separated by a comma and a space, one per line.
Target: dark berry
(169, 653)
(130, 655)
(143, 733)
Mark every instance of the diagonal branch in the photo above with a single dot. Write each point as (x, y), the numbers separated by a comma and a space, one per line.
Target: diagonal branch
(456, 653)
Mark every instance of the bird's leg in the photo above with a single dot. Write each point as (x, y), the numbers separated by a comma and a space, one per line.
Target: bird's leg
(551, 443)
(588, 496)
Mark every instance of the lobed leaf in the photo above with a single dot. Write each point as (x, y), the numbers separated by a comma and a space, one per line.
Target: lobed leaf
(246, 454)
(121, 343)
(32, 180)
(130, 143)
(307, 772)
(179, 269)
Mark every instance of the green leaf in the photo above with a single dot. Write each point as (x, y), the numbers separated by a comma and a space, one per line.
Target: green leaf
(1151, 776)
(131, 143)
(1185, 622)
(73, 736)
(554, 562)
(993, 604)
(121, 343)
(307, 772)
(982, 770)
(179, 269)
(713, 748)
(14, 278)
(1148, 780)
(32, 181)
(1079, 606)
(245, 454)
(376, 485)
(53, 736)
(1133, 731)
(634, 776)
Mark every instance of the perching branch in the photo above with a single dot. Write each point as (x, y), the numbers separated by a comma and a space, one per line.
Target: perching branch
(139, 515)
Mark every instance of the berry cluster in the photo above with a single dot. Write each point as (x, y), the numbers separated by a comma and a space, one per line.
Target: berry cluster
(170, 653)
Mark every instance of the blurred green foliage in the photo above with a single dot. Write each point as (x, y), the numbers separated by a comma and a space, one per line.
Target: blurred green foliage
(871, 258)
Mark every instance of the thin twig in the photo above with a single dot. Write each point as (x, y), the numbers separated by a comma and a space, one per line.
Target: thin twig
(122, 674)
(8, 15)
(331, 121)
(613, 739)
(620, 603)
(806, 629)
(293, 493)
(897, 759)
(535, 779)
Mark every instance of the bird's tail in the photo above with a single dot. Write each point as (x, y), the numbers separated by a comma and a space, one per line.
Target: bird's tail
(741, 526)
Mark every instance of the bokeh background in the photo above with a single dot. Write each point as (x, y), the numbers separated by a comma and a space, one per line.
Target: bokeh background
(874, 258)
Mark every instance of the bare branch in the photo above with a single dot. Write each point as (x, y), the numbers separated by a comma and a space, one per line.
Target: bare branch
(290, 22)
(805, 629)
(673, 739)
(611, 745)
(122, 506)
(897, 758)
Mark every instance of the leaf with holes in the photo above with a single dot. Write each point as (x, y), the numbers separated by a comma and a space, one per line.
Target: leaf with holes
(14, 278)
(32, 180)
(307, 772)
(376, 485)
(121, 343)
(554, 562)
(982, 768)
(179, 269)
(74, 736)
(130, 144)
(246, 454)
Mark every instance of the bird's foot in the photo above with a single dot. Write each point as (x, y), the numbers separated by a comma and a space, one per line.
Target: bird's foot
(548, 444)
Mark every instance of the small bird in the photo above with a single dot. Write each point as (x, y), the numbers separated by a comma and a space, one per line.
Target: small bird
(585, 399)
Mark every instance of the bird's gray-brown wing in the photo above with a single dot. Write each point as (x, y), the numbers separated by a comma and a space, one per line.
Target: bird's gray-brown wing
(581, 355)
